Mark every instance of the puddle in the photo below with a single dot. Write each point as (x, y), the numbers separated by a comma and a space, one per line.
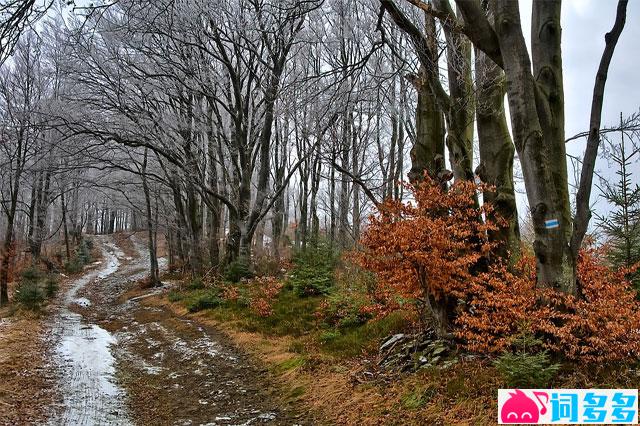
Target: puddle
(90, 394)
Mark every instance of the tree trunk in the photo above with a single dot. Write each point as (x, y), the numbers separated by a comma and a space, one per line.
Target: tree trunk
(537, 119)
(583, 208)
(154, 270)
(343, 205)
(355, 169)
(65, 227)
(461, 105)
(427, 153)
(42, 206)
(316, 169)
(496, 154)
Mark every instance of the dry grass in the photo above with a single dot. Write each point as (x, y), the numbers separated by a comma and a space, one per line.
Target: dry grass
(351, 391)
(27, 384)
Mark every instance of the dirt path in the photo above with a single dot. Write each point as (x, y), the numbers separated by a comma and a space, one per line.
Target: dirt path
(83, 357)
(123, 363)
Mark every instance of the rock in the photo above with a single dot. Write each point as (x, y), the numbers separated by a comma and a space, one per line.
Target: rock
(390, 341)
(402, 352)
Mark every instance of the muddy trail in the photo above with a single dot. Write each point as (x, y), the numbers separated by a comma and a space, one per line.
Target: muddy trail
(123, 363)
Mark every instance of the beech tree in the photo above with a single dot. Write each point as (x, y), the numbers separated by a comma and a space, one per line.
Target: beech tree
(234, 128)
(536, 104)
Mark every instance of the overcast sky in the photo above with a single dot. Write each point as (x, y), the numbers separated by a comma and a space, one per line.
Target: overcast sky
(584, 24)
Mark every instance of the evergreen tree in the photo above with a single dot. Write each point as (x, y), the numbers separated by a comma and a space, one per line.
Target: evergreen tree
(622, 225)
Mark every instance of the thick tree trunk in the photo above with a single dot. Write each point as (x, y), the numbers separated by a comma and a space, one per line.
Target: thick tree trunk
(460, 115)
(427, 153)
(36, 190)
(214, 204)
(538, 127)
(38, 234)
(214, 237)
(259, 239)
(232, 246)
(496, 154)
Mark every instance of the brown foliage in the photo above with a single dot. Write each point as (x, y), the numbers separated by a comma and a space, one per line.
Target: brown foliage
(427, 247)
(602, 325)
(264, 291)
(433, 247)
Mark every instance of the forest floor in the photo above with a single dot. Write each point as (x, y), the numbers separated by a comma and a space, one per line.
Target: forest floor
(352, 390)
(26, 382)
(109, 359)
(106, 351)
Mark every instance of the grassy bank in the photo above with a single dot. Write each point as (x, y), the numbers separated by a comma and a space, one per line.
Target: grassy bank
(311, 329)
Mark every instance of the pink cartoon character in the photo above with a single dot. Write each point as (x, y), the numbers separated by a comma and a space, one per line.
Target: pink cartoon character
(519, 408)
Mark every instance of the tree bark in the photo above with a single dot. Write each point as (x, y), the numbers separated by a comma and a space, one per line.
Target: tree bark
(496, 154)
(154, 270)
(538, 134)
(427, 153)
(461, 108)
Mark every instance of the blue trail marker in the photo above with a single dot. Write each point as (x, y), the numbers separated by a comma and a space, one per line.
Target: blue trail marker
(552, 224)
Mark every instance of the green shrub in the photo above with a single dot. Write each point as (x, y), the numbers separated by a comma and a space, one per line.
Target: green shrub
(523, 370)
(30, 295)
(51, 285)
(175, 296)
(31, 274)
(205, 299)
(527, 366)
(344, 310)
(73, 266)
(313, 271)
(196, 284)
(238, 269)
(83, 252)
(81, 257)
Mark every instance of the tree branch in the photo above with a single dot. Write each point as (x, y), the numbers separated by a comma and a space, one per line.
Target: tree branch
(479, 29)
(422, 48)
(357, 181)
(583, 211)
